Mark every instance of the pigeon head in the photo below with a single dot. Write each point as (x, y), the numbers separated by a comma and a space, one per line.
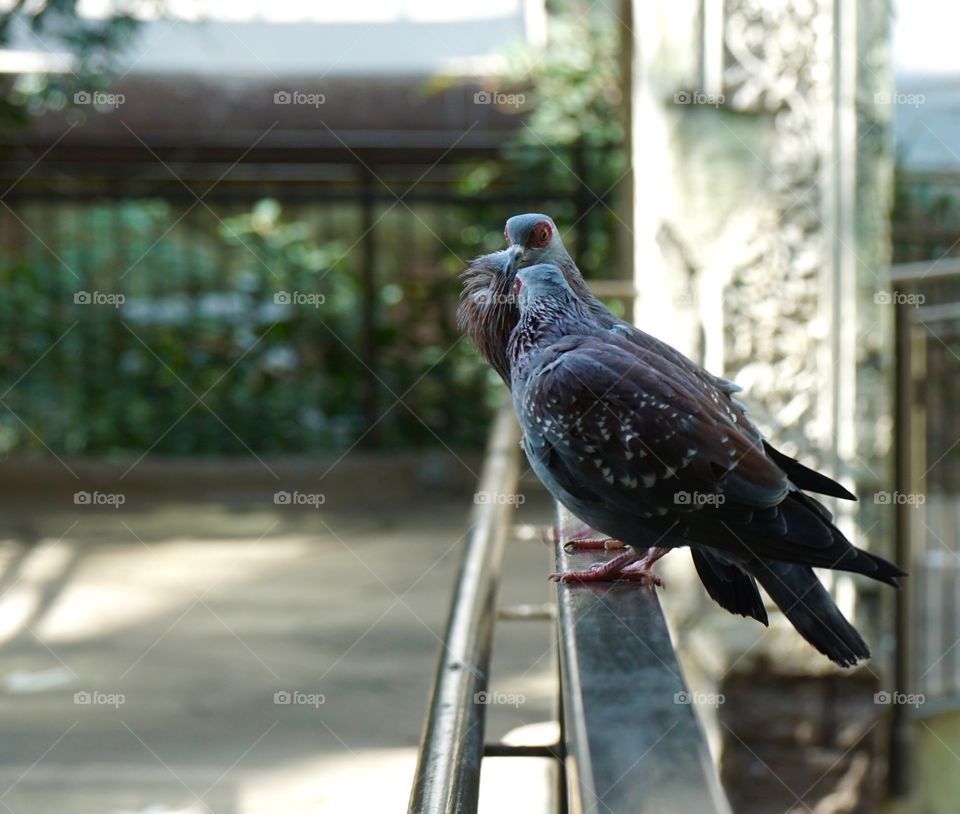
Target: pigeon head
(487, 310)
(540, 285)
(534, 239)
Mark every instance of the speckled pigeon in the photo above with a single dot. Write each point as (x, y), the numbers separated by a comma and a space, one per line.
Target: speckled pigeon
(617, 436)
(488, 313)
(534, 238)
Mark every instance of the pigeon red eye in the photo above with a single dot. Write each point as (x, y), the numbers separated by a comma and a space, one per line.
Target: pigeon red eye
(540, 236)
(506, 236)
(516, 286)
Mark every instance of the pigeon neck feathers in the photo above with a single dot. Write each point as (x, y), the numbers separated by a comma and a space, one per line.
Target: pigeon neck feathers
(487, 313)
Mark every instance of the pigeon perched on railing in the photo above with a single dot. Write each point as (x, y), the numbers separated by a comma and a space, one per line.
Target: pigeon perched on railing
(618, 436)
(487, 314)
(533, 238)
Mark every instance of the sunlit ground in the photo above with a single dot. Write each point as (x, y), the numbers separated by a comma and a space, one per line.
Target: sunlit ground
(182, 618)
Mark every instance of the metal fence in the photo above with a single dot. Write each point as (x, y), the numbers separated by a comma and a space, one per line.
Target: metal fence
(278, 313)
(926, 287)
(927, 497)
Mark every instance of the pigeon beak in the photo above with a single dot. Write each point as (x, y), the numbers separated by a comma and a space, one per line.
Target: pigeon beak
(516, 252)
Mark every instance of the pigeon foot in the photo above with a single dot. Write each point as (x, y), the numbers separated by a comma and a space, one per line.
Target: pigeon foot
(600, 572)
(627, 566)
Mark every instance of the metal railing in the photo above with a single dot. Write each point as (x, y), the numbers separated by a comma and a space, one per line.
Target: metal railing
(448, 772)
(632, 740)
(628, 742)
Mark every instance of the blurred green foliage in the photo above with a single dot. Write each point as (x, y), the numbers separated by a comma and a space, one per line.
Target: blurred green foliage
(571, 140)
(253, 329)
(134, 329)
(56, 27)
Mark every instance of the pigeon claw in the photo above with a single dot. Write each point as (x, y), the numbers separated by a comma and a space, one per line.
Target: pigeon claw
(599, 572)
(642, 573)
(642, 569)
(580, 538)
(593, 544)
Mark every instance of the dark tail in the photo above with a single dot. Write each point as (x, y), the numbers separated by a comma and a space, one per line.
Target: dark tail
(799, 530)
(728, 586)
(811, 610)
(805, 478)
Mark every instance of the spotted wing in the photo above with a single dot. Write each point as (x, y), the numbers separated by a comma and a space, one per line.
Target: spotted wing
(642, 435)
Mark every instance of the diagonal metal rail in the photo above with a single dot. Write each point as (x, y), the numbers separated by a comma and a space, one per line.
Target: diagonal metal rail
(448, 772)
